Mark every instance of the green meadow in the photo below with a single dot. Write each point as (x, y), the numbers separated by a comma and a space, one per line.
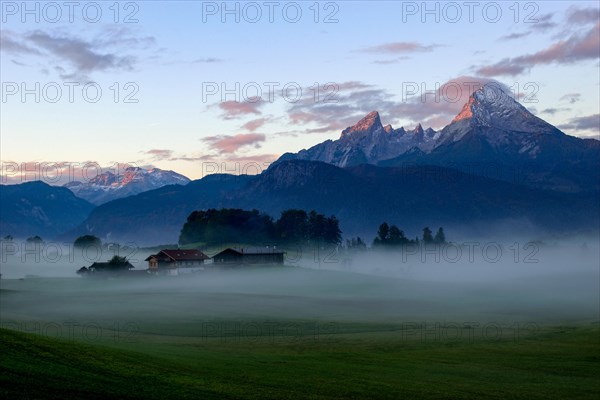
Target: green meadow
(346, 332)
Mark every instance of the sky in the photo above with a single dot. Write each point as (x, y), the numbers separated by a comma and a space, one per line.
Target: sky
(205, 87)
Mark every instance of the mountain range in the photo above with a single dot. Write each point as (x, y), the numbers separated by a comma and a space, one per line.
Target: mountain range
(132, 180)
(368, 142)
(361, 197)
(495, 165)
(493, 135)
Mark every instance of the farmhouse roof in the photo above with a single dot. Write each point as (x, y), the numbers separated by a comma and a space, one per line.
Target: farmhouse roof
(179, 255)
(253, 250)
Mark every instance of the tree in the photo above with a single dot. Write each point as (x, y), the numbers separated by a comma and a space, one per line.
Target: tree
(35, 239)
(332, 233)
(323, 230)
(316, 223)
(390, 236)
(427, 235)
(292, 226)
(117, 260)
(440, 237)
(86, 241)
(360, 244)
(355, 244)
(396, 236)
(8, 238)
(383, 232)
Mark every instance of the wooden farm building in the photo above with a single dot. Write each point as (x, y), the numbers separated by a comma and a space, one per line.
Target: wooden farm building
(175, 262)
(239, 256)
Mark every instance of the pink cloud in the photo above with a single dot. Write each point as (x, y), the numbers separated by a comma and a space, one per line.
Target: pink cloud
(575, 48)
(160, 154)
(232, 143)
(583, 15)
(234, 109)
(400, 47)
(253, 125)
(354, 104)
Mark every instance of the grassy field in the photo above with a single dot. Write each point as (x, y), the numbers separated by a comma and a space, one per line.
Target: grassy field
(555, 364)
(435, 331)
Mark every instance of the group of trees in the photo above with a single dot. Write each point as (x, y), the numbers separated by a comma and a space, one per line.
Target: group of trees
(232, 225)
(393, 236)
(298, 226)
(229, 225)
(87, 241)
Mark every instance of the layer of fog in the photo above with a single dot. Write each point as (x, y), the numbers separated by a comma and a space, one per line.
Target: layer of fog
(554, 283)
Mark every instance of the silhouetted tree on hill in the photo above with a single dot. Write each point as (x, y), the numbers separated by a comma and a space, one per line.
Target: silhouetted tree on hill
(440, 237)
(383, 234)
(427, 235)
(87, 240)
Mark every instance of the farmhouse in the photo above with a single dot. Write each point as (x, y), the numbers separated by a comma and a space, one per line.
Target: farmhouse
(238, 256)
(175, 262)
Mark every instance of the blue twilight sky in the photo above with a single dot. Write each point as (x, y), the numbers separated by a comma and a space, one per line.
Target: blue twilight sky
(180, 81)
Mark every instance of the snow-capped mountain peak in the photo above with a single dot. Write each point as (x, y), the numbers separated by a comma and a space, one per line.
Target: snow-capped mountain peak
(491, 127)
(491, 106)
(132, 180)
(368, 141)
(369, 124)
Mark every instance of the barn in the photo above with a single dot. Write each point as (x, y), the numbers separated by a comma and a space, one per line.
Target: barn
(176, 261)
(240, 256)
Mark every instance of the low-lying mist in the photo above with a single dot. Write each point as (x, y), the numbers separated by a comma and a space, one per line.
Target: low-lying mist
(486, 282)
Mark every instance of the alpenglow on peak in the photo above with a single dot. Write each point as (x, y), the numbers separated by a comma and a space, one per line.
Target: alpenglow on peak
(491, 106)
(370, 123)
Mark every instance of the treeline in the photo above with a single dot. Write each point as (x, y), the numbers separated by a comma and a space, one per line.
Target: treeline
(391, 236)
(230, 225)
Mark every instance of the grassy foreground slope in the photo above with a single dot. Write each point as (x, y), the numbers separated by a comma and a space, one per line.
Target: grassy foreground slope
(557, 363)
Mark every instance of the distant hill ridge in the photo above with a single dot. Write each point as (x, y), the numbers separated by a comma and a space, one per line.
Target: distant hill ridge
(36, 208)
